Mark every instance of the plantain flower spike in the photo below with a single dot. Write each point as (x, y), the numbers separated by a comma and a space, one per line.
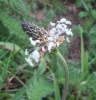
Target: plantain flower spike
(45, 41)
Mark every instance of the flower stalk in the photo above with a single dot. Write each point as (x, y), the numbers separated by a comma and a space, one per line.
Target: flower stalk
(66, 84)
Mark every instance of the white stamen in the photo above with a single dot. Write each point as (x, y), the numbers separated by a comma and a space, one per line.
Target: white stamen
(52, 31)
(35, 55)
(37, 41)
(64, 26)
(50, 38)
(32, 42)
(56, 36)
(43, 49)
(67, 39)
(52, 24)
(59, 26)
(69, 32)
(29, 61)
(62, 20)
(26, 52)
(57, 44)
(51, 44)
(68, 22)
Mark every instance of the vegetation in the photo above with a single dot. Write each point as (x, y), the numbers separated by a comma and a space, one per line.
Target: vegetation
(19, 81)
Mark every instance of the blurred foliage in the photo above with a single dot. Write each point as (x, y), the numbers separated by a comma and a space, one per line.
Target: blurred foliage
(39, 88)
(13, 41)
(86, 4)
(89, 28)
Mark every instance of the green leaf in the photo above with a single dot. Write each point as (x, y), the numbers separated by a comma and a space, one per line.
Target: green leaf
(5, 95)
(90, 97)
(85, 6)
(83, 14)
(57, 91)
(71, 97)
(53, 61)
(48, 18)
(13, 25)
(42, 67)
(90, 84)
(22, 90)
(3, 74)
(20, 7)
(84, 58)
(39, 88)
(75, 29)
(93, 30)
(12, 47)
(93, 13)
(85, 65)
(56, 87)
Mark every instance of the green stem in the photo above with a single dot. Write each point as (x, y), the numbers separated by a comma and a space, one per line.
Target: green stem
(65, 90)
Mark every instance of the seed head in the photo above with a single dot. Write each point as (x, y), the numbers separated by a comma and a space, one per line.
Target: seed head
(45, 41)
(33, 30)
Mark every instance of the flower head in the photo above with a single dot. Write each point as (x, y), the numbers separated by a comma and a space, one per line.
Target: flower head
(45, 41)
